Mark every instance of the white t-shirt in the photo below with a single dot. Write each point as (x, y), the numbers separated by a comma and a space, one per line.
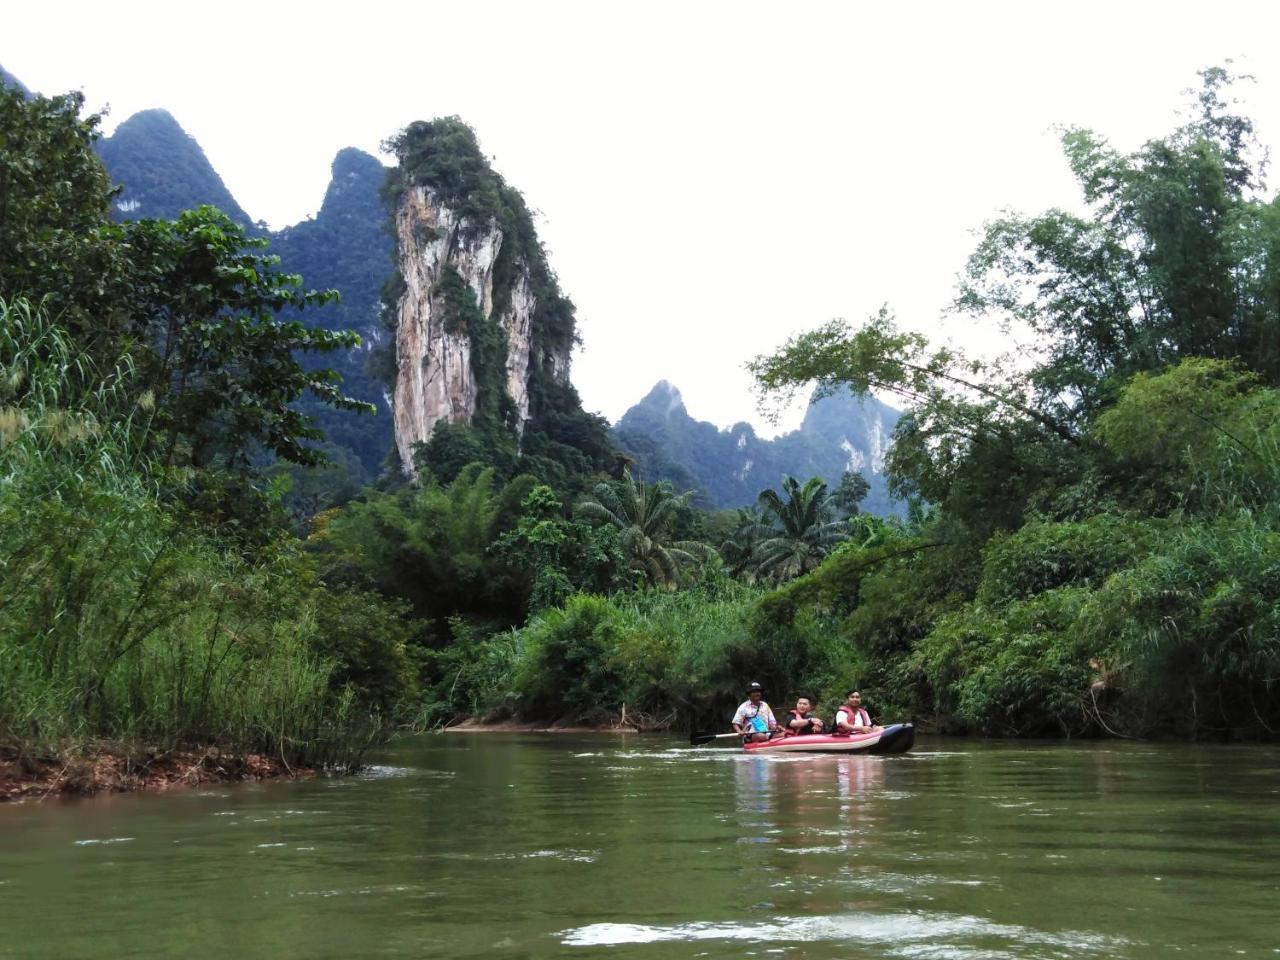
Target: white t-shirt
(748, 710)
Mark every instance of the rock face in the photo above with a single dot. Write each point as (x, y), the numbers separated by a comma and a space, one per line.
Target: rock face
(435, 376)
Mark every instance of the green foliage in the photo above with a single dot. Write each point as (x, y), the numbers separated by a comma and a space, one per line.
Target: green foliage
(454, 446)
(568, 666)
(222, 365)
(472, 675)
(853, 489)
(370, 642)
(430, 546)
(1198, 435)
(659, 658)
(1100, 553)
(559, 556)
(1044, 556)
(53, 198)
(971, 428)
(1176, 258)
(347, 248)
(1189, 636)
(644, 516)
(194, 301)
(1015, 670)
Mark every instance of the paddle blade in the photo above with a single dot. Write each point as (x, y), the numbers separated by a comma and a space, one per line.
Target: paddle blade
(698, 739)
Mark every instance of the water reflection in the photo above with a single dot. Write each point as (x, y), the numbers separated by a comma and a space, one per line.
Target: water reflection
(796, 788)
(753, 781)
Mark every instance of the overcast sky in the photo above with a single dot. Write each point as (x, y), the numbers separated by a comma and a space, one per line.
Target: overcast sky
(711, 177)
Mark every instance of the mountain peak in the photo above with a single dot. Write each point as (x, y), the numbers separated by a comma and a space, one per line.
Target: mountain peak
(353, 185)
(665, 397)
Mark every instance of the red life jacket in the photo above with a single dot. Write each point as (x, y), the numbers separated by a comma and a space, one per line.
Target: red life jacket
(857, 718)
(795, 714)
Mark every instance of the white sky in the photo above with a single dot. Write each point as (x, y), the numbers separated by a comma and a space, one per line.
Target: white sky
(712, 177)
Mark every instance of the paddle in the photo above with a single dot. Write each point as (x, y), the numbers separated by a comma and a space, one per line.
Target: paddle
(698, 739)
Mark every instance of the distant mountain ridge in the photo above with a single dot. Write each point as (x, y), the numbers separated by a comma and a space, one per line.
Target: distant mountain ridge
(729, 468)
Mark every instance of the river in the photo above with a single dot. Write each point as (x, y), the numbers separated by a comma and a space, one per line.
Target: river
(522, 845)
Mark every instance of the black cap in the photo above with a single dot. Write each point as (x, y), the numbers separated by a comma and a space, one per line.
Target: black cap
(754, 688)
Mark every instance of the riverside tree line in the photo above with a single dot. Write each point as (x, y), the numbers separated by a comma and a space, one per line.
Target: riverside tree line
(1092, 544)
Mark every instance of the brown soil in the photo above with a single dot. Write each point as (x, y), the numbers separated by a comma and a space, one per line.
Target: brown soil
(108, 769)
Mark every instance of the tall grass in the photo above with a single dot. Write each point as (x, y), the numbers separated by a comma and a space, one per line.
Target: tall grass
(118, 622)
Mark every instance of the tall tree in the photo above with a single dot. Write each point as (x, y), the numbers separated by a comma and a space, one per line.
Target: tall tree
(852, 491)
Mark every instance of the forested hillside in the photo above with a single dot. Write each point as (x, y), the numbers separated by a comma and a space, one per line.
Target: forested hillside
(162, 171)
(1103, 551)
(7, 79)
(155, 604)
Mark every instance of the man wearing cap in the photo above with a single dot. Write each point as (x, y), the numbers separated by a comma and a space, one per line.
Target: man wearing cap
(753, 719)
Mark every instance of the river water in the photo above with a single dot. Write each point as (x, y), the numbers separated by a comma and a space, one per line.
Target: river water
(521, 845)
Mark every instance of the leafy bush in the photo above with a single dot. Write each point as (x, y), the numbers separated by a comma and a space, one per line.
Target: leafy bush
(1042, 556)
(1021, 669)
(568, 669)
(1192, 632)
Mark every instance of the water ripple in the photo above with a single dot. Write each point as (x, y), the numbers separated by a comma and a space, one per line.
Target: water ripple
(903, 934)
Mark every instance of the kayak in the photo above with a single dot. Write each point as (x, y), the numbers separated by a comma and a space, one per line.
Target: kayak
(896, 738)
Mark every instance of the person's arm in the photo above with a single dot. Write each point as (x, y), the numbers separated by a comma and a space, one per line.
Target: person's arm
(842, 720)
(769, 720)
(736, 722)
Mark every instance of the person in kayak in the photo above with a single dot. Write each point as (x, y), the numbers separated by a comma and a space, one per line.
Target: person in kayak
(852, 718)
(800, 722)
(753, 718)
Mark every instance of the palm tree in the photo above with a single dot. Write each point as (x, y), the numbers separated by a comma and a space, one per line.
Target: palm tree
(739, 549)
(643, 514)
(805, 531)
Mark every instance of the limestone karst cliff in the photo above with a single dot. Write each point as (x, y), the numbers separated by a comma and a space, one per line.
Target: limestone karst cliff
(481, 330)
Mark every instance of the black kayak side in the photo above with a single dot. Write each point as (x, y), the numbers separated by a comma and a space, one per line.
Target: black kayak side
(897, 738)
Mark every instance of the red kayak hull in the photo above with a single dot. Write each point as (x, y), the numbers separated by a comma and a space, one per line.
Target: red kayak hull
(897, 738)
